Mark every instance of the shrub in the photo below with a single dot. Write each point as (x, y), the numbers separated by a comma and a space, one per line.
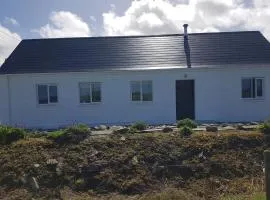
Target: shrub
(140, 126)
(72, 134)
(78, 129)
(10, 134)
(56, 134)
(265, 127)
(185, 131)
(132, 130)
(186, 122)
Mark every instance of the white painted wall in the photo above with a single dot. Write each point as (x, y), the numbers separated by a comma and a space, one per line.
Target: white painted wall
(4, 106)
(217, 97)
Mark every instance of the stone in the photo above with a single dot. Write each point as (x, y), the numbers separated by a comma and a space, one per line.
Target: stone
(52, 162)
(167, 129)
(227, 128)
(36, 165)
(122, 138)
(100, 128)
(135, 160)
(121, 131)
(211, 128)
(34, 183)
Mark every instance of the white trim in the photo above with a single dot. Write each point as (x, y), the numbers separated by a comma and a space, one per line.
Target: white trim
(91, 95)
(253, 89)
(141, 91)
(9, 101)
(48, 94)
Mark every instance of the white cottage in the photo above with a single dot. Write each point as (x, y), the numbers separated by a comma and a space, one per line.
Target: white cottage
(224, 77)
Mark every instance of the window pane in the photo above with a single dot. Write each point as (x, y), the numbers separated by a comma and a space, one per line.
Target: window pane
(147, 90)
(259, 87)
(135, 91)
(53, 94)
(96, 92)
(42, 94)
(246, 88)
(85, 93)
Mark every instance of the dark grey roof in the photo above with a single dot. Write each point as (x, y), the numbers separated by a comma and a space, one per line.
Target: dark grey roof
(128, 52)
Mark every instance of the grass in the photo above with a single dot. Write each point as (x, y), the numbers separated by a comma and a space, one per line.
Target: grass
(255, 196)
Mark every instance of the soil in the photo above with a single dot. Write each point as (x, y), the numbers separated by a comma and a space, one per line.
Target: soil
(207, 165)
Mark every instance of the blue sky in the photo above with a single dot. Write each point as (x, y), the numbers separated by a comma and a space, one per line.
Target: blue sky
(31, 14)
(23, 19)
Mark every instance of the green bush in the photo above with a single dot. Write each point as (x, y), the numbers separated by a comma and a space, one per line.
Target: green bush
(265, 127)
(73, 134)
(78, 129)
(185, 131)
(56, 134)
(140, 126)
(186, 122)
(10, 134)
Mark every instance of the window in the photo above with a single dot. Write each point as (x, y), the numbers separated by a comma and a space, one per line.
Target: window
(252, 88)
(141, 91)
(47, 94)
(90, 92)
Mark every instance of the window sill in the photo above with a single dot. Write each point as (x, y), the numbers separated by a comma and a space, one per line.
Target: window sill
(253, 99)
(47, 105)
(89, 104)
(142, 102)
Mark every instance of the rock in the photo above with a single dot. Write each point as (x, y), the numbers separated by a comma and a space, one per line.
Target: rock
(36, 165)
(202, 156)
(211, 128)
(100, 128)
(224, 125)
(52, 162)
(116, 127)
(23, 179)
(254, 123)
(135, 160)
(121, 131)
(167, 129)
(122, 138)
(34, 183)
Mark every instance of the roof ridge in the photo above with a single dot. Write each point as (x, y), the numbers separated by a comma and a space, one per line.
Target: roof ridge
(140, 36)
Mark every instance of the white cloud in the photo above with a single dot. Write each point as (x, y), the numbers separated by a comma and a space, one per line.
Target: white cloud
(10, 20)
(8, 41)
(164, 16)
(64, 24)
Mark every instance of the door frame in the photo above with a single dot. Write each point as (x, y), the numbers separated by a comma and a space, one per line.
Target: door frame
(194, 96)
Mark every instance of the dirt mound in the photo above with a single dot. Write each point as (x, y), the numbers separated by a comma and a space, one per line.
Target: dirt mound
(130, 164)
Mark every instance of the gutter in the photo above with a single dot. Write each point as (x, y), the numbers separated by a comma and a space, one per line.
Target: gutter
(9, 101)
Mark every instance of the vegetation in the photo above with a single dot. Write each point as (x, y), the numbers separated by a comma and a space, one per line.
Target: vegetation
(153, 166)
(185, 131)
(139, 126)
(265, 127)
(10, 134)
(74, 134)
(186, 122)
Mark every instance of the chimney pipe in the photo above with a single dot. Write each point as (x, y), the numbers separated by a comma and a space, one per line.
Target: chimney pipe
(185, 29)
(186, 46)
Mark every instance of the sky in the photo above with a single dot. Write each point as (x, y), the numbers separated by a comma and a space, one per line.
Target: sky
(27, 19)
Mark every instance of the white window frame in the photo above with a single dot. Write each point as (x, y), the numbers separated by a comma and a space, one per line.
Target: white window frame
(254, 96)
(48, 93)
(141, 91)
(91, 95)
